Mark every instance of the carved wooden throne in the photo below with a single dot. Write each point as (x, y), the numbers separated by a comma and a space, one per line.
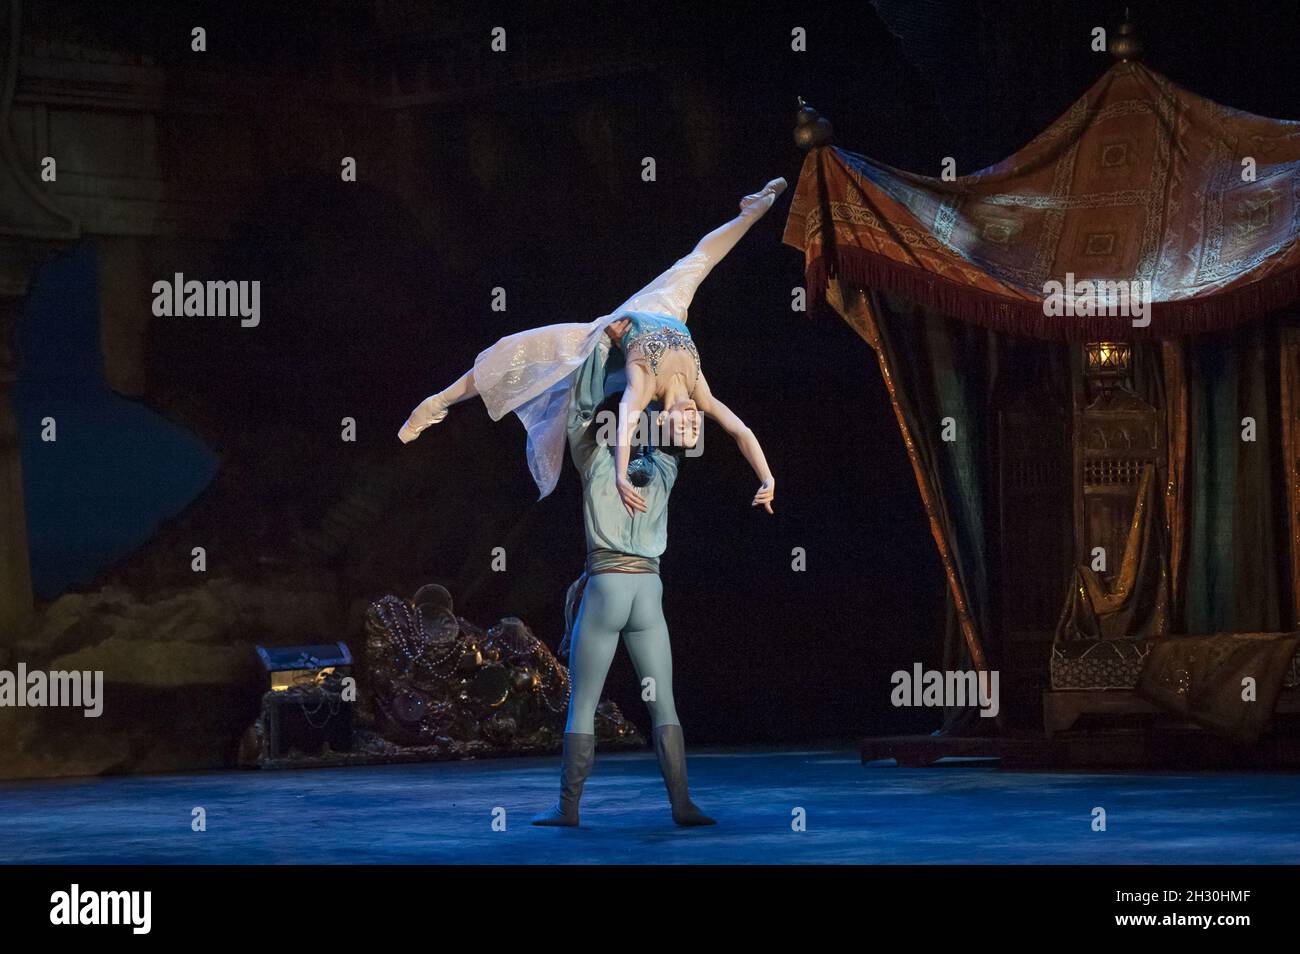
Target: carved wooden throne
(1118, 461)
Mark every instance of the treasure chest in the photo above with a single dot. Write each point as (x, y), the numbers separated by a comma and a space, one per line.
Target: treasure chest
(290, 666)
(306, 712)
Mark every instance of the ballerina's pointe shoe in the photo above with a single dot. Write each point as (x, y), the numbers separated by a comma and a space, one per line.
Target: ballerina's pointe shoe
(766, 194)
(430, 411)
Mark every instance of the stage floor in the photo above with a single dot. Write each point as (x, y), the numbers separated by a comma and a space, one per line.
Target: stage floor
(443, 813)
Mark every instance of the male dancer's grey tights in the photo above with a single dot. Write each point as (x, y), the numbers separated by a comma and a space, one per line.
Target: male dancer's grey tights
(630, 604)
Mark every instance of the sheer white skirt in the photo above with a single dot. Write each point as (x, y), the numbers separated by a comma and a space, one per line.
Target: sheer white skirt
(529, 373)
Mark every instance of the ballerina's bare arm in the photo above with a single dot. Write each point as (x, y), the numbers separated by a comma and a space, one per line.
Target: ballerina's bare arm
(709, 405)
(638, 393)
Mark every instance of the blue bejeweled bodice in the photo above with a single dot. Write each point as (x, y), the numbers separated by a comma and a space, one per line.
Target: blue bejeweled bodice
(651, 335)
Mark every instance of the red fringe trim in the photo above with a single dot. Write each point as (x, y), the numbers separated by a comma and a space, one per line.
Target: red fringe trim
(1169, 319)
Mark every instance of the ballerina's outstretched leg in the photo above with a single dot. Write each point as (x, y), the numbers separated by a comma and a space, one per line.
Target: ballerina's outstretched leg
(672, 291)
(434, 408)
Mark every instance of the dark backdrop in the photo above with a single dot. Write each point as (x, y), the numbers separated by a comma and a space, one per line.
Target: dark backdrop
(368, 312)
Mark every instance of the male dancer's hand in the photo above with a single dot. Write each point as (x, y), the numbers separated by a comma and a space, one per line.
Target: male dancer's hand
(632, 501)
(617, 329)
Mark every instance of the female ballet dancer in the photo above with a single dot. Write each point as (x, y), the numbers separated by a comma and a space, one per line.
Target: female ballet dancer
(529, 372)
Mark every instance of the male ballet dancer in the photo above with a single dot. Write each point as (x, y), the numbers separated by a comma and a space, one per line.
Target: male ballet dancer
(623, 592)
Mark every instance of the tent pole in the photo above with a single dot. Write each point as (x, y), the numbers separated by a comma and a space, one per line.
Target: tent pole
(1289, 376)
(856, 311)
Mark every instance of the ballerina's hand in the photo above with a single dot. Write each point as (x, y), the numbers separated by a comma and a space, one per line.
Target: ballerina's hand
(632, 501)
(765, 495)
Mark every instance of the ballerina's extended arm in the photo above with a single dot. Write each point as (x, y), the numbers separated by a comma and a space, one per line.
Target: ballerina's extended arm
(640, 389)
(745, 439)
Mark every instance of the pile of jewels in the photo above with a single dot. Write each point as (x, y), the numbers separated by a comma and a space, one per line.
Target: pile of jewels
(433, 679)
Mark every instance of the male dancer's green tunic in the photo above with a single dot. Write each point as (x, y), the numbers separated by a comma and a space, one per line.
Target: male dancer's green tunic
(615, 600)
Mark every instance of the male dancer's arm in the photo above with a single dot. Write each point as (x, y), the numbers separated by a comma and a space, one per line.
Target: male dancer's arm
(589, 390)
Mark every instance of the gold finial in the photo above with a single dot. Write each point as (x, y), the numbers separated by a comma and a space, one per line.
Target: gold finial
(1126, 45)
(811, 129)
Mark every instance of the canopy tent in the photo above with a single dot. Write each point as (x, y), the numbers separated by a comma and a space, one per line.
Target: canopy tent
(1021, 435)
(1138, 180)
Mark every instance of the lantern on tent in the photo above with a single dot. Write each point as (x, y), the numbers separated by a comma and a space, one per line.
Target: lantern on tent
(1108, 362)
(1109, 358)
